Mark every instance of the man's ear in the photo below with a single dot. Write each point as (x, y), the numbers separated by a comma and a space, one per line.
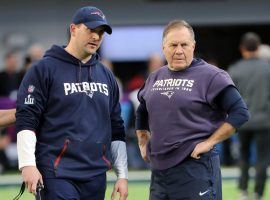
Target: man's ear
(163, 45)
(194, 45)
(72, 29)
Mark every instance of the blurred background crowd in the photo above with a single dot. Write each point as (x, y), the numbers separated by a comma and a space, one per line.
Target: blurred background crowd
(134, 50)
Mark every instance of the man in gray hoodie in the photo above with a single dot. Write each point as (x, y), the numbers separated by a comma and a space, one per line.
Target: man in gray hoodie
(251, 76)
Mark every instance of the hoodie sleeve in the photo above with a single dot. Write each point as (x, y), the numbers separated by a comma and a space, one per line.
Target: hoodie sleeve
(32, 98)
(118, 131)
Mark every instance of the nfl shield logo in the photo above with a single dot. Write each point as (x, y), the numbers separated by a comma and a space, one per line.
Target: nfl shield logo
(31, 88)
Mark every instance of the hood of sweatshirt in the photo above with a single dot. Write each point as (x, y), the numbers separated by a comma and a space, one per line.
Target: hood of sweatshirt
(60, 53)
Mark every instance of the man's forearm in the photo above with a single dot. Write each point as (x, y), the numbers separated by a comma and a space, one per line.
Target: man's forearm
(143, 137)
(119, 158)
(7, 117)
(225, 131)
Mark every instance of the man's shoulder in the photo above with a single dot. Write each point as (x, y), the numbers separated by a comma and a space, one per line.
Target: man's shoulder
(161, 70)
(238, 65)
(41, 66)
(249, 63)
(263, 63)
(205, 68)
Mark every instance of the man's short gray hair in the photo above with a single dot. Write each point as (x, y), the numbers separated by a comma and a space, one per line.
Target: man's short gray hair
(178, 24)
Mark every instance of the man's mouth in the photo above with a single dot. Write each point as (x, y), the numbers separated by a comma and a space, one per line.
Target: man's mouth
(93, 44)
(179, 59)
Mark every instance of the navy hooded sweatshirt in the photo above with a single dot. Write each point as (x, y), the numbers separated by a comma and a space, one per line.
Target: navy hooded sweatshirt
(74, 110)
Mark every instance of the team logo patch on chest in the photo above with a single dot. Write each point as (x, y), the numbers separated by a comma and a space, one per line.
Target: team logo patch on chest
(168, 87)
(85, 87)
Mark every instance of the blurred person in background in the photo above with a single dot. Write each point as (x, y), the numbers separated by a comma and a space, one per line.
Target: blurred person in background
(8, 91)
(251, 76)
(27, 62)
(7, 117)
(68, 118)
(107, 63)
(4, 142)
(8, 150)
(34, 53)
(127, 112)
(9, 77)
(186, 108)
(264, 52)
(154, 62)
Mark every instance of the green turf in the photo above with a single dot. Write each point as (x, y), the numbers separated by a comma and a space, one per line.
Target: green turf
(137, 191)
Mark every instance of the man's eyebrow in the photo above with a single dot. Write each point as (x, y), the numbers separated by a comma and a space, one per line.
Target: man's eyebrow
(174, 42)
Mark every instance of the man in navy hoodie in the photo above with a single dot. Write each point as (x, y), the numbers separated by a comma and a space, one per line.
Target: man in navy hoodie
(68, 118)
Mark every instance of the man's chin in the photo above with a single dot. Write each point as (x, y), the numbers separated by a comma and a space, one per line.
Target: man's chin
(91, 51)
(178, 67)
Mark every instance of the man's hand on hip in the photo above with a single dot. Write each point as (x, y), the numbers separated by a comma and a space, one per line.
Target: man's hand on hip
(200, 148)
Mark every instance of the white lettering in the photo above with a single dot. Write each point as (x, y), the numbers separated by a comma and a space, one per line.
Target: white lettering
(86, 88)
(156, 84)
(170, 82)
(29, 100)
(184, 82)
(173, 84)
(178, 82)
(190, 83)
(105, 89)
(100, 87)
(73, 88)
(67, 88)
(79, 86)
(93, 87)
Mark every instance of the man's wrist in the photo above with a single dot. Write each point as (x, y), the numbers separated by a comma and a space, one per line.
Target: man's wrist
(143, 137)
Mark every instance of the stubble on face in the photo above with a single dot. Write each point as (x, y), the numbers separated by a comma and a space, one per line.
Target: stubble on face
(92, 39)
(84, 42)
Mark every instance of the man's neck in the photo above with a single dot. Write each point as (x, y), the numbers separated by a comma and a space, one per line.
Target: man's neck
(74, 52)
(249, 54)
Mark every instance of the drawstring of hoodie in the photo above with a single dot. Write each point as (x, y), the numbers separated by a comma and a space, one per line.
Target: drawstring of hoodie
(79, 73)
(89, 74)
(62, 54)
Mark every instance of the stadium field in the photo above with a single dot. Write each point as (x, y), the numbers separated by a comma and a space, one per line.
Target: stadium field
(137, 191)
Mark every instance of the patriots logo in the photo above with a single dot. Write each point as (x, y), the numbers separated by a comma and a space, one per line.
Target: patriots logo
(168, 93)
(89, 93)
(99, 14)
(31, 88)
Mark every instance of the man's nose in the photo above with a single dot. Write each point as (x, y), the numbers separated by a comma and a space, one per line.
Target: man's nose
(179, 49)
(95, 36)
